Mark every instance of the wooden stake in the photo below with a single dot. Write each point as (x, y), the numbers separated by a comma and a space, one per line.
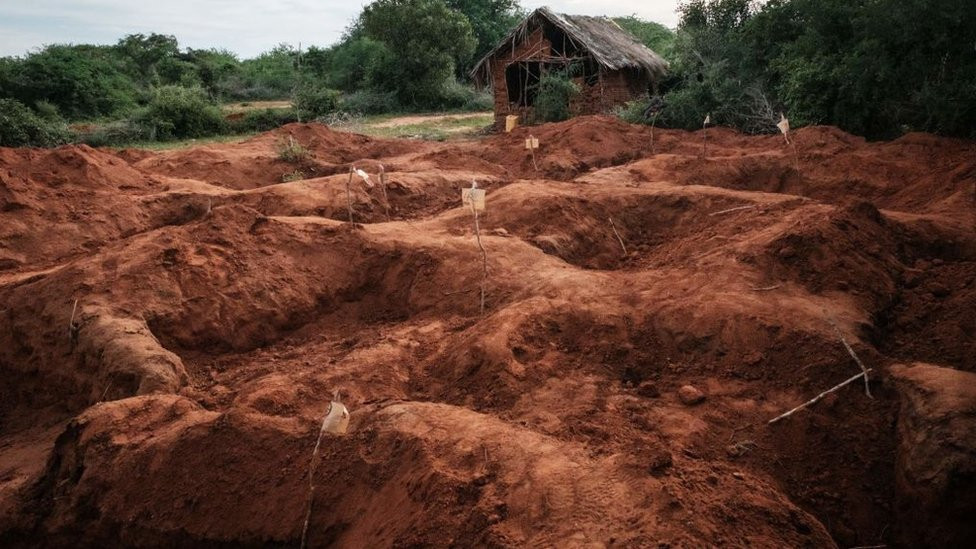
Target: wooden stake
(386, 200)
(818, 397)
(311, 473)
(704, 141)
(349, 194)
(484, 254)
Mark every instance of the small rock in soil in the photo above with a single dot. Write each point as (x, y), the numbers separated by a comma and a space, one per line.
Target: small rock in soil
(690, 395)
(648, 389)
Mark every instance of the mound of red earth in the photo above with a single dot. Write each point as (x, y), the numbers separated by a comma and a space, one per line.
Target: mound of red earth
(173, 325)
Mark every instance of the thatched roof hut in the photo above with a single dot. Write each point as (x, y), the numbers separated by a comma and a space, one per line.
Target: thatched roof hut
(609, 44)
(611, 65)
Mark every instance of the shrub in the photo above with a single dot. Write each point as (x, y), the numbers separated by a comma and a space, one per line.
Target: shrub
(296, 175)
(632, 111)
(370, 102)
(454, 95)
(313, 102)
(47, 110)
(175, 112)
(19, 127)
(121, 132)
(552, 101)
(481, 101)
(262, 120)
(291, 151)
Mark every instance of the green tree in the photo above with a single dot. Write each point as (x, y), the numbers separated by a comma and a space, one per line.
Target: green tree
(358, 64)
(424, 38)
(271, 75)
(655, 36)
(214, 69)
(490, 21)
(143, 54)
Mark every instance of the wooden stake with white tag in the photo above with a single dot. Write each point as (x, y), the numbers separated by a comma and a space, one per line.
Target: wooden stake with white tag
(532, 143)
(475, 199)
(784, 128)
(708, 120)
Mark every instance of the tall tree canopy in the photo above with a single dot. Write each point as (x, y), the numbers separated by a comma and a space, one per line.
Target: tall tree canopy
(425, 39)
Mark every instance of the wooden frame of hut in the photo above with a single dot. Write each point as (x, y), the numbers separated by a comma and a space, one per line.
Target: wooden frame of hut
(607, 63)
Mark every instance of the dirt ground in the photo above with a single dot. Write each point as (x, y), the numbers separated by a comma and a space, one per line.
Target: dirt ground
(173, 325)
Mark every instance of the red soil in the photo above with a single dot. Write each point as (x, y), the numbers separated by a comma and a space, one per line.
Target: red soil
(218, 309)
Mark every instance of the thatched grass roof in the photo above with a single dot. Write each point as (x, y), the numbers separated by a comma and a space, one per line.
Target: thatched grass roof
(609, 44)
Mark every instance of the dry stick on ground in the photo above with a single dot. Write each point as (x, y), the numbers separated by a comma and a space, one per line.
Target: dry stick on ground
(612, 226)
(311, 476)
(737, 208)
(484, 254)
(105, 392)
(72, 327)
(818, 397)
(766, 288)
(850, 351)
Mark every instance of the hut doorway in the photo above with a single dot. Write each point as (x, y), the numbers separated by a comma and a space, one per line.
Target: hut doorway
(522, 80)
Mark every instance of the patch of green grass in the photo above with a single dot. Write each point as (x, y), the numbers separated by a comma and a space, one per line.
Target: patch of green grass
(439, 129)
(186, 143)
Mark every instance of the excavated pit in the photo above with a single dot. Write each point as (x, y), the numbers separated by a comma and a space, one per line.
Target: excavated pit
(219, 308)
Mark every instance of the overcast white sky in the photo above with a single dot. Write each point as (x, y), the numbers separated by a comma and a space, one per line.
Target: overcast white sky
(246, 27)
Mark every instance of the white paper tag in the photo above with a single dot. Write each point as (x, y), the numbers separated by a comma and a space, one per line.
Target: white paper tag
(532, 143)
(708, 119)
(365, 177)
(783, 124)
(473, 195)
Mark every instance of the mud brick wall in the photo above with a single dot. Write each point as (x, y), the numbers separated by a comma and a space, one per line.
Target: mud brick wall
(534, 47)
(613, 88)
(618, 87)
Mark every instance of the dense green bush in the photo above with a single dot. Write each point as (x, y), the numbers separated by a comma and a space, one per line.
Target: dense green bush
(370, 102)
(20, 126)
(552, 101)
(460, 96)
(872, 68)
(175, 112)
(313, 102)
(632, 111)
(118, 133)
(262, 120)
(481, 100)
(82, 81)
